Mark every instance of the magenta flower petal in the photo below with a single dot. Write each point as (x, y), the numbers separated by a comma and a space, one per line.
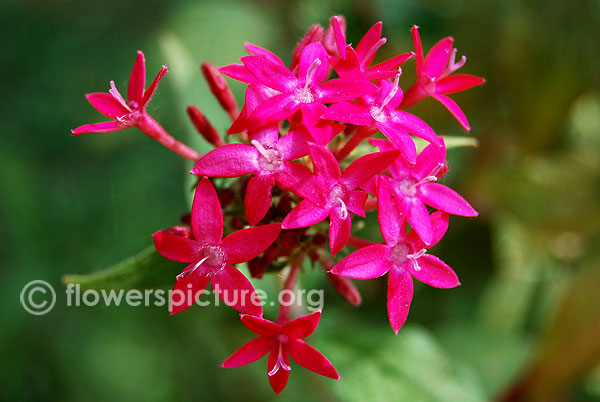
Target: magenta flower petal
(454, 109)
(401, 140)
(271, 74)
(389, 213)
(260, 51)
(356, 203)
(106, 104)
(259, 325)
(250, 352)
(429, 159)
(367, 166)
(232, 160)
(298, 179)
(349, 112)
(418, 217)
(305, 214)
(246, 244)
(105, 127)
(438, 57)
(457, 82)
(257, 199)
(311, 53)
(303, 326)
(235, 290)
(399, 297)
(445, 199)
(137, 79)
(310, 358)
(277, 108)
(152, 88)
(280, 378)
(419, 59)
(339, 230)
(322, 131)
(206, 217)
(435, 272)
(175, 247)
(187, 291)
(293, 145)
(390, 66)
(439, 224)
(340, 89)
(415, 126)
(325, 163)
(240, 73)
(365, 263)
(369, 40)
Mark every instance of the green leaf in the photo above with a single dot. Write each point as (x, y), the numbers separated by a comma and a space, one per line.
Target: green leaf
(145, 270)
(409, 367)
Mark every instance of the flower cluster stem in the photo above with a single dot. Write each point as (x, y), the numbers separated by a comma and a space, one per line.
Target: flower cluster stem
(289, 285)
(154, 130)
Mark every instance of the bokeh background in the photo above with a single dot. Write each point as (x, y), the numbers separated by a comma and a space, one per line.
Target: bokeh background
(524, 325)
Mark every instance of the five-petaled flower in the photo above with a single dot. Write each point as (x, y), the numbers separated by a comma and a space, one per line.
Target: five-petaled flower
(434, 76)
(403, 256)
(210, 257)
(282, 342)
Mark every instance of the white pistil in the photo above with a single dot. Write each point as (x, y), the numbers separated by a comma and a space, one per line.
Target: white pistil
(376, 112)
(189, 271)
(432, 176)
(279, 364)
(343, 209)
(310, 72)
(452, 64)
(266, 154)
(372, 51)
(117, 95)
(414, 257)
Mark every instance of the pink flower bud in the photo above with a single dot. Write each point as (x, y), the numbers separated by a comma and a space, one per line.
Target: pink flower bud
(208, 131)
(220, 89)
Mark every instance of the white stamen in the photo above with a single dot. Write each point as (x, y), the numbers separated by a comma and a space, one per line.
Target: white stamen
(432, 176)
(117, 95)
(415, 256)
(372, 51)
(343, 209)
(279, 364)
(452, 64)
(311, 71)
(189, 271)
(261, 149)
(377, 111)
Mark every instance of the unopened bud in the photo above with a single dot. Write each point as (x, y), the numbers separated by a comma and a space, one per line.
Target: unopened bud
(345, 288)
(208, 131)
(314, 34)
(290, 239)
(220, 89)
(257, 267)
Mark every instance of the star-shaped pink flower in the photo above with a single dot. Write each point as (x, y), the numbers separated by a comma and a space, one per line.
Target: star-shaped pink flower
(282, 342)
(434, 76)
(415, 185)
(210, 257)
(267, 158)
(403, 256)
(113, 105)
(297, 91)
(331, 193)
(355, 63)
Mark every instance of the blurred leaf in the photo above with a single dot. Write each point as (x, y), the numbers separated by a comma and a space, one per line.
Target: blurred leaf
(145, 270)
(408, 367)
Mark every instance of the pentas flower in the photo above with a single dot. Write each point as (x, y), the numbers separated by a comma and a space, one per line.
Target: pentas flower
(434, 76)
(112, 104)
(402, 257)
(131, 113)
(379, 110)
(282, 342)
(297, 92)
(415, 185)
(331, 193)
(210, 257)
(267, 158)
(355, 63)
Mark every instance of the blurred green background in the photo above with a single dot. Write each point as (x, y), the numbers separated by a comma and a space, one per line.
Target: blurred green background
(524, 325)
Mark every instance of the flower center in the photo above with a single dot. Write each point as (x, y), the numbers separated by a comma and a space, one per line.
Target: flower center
(401, 253)
(304, 95)
(378, 112)
(408, 186)
(280, 363)
(270, 159)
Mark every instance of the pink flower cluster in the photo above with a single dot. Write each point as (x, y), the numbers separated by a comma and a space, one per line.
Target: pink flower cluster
(300, 182)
